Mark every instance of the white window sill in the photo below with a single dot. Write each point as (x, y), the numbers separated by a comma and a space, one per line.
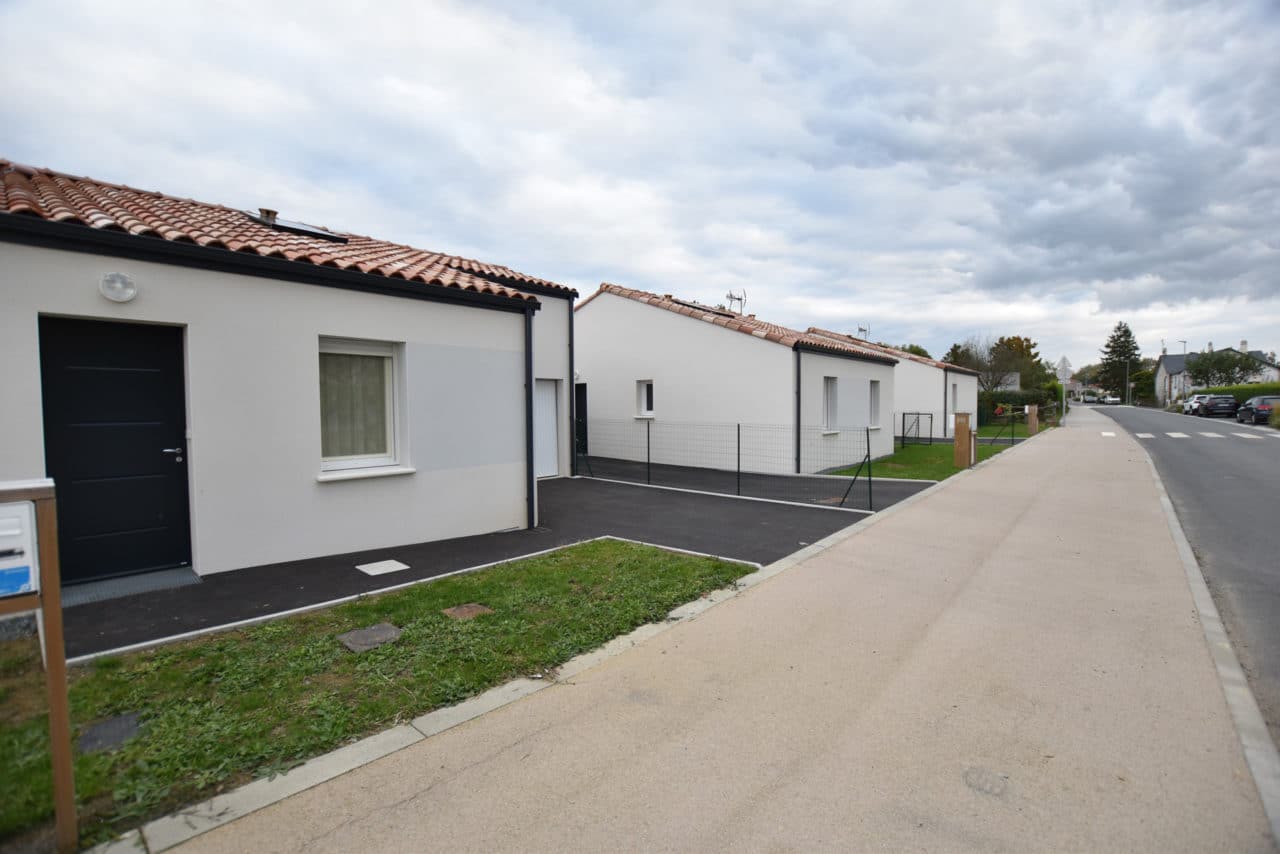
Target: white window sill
(877, 427)
(361, 474)
(644, 417)
(831, 432)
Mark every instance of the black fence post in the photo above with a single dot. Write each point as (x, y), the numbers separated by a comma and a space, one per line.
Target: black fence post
(870, 504)
(739, 458)
(647, 454)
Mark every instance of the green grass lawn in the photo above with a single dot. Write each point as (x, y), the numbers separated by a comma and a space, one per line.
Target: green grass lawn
(220, 710)
(923, 462)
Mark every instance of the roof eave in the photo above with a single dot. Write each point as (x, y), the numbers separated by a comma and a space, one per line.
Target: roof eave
(805, 347)
(35, 231)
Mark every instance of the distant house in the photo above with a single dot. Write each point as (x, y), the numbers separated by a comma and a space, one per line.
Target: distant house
(1173, 380)
(215, 388)
(927, 393)
(1012, 381)
(661, 359)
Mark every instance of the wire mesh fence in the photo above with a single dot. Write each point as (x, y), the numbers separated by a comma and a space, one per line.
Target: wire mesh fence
(819, 465)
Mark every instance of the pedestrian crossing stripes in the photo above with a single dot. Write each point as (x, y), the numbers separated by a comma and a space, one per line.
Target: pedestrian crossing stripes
(1202, 433)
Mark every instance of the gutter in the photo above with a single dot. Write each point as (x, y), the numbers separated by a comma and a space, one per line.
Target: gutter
(30, 231)
(572, 391)
(946, 375)
(797, 410)
(531, 480)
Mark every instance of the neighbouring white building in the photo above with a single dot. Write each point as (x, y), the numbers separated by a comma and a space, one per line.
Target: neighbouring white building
(217, 389)
(1173, 380)
(672, 379)
(927, 393)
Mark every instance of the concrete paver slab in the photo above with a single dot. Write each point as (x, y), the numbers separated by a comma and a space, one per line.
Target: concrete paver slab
(970, 674)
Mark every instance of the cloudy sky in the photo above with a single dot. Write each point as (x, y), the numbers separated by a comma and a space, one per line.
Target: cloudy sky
(928, 170)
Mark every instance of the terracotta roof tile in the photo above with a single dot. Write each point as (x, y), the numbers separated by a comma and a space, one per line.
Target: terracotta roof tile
(748, 324)
(890, 351)
(54, 196)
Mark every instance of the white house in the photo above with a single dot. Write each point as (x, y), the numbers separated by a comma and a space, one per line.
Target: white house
(693, 373)
(220, 389)
(1173, 380)
(927, 393)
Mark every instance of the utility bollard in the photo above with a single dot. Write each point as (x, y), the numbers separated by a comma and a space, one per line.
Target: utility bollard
(964, 442)
(1033, 419)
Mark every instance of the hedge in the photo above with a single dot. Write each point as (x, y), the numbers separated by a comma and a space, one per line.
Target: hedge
(1242, 392)
(989, 400)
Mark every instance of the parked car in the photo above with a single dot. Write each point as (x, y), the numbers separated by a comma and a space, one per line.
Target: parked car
(1111, 398)
(1257, 410)
(1089, 397)
(1217, 404)
(1191, 406)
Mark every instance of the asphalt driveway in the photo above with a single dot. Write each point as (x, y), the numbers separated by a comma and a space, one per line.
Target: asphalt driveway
(572, 510)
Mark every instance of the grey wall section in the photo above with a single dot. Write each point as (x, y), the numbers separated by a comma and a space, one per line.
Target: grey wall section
(439, 394)
(253, 404)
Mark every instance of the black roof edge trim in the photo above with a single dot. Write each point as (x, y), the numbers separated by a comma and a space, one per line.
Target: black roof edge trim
(529, 287)
(32, 231)
(811, 348)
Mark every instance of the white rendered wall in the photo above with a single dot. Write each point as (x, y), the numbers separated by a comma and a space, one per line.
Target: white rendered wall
(822, 449)
(702, 374)
(707, 380)
(253, 404)
(551, 362)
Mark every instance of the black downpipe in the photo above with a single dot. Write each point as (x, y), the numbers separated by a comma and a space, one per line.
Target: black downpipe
(573, 402)
(531, 482)
(797, 412)
(945, 386)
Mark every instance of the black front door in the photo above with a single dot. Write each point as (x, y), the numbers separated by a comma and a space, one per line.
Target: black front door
(115, 445)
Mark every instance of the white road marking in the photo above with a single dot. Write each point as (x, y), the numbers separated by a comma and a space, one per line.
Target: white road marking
(1107, 433)
(1177, 435)
(1215, 435)
(1247, 435)
(1145, 435)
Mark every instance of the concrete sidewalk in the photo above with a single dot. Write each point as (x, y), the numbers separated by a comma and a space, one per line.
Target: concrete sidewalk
(1013, 662)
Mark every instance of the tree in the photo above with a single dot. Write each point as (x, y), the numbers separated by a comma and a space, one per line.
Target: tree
(915, 349)
(1018, 353)
(1221, 367)
(961, 355)
(1120, 360)
(1087, 374)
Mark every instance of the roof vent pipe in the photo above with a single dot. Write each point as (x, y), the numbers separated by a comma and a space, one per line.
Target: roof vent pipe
(268, 215)
(1244, 345)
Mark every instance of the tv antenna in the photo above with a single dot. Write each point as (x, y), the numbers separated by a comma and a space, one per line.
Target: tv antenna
(1183, 342)
(740, 299)
(864, 332)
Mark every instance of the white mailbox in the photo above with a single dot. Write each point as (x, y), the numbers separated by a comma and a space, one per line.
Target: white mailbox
(19, 563)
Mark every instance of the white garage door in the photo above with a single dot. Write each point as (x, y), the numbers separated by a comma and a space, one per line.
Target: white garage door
(546, 439)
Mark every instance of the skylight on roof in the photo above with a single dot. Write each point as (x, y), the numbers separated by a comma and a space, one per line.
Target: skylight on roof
(268, 217)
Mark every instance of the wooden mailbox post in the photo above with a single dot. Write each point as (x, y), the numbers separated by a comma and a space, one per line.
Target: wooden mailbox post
(47, 599)
(965, 440)
(1033, 419)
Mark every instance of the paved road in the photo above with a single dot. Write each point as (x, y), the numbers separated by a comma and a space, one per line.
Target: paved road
(1224, 480)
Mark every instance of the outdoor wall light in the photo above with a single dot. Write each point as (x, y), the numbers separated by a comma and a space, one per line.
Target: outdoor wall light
(117, 287)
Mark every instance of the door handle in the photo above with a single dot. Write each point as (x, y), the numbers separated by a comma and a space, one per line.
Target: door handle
(170, 450)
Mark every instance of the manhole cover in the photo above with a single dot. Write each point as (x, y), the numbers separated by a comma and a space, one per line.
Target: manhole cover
(108, 734)
(363, 640)
(467, 611)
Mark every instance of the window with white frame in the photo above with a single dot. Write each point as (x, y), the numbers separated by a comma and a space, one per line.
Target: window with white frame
(873, 408)
(830, 403)
(644, 398)
(357, 403)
